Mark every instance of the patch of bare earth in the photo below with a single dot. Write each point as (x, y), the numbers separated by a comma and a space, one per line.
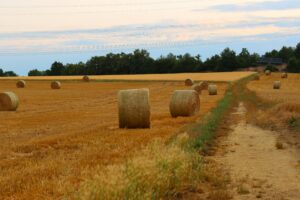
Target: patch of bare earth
(261, 164)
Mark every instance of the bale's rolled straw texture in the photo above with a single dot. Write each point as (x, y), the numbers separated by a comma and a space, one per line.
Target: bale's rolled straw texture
(212, 89)
(268, 72)
(55, 85)
(134, 108)
(284, 75)
(184, 103)
(188, 82)
(21, 84)
(197, 88)
(86, 78)
(277, 85)
(9, 101)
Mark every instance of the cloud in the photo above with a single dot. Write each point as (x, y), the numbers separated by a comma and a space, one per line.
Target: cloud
(65, 26)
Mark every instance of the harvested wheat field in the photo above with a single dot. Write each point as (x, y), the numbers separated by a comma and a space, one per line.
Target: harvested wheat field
(57, 134)
(289, 91)
(224, 76)
(287, 100)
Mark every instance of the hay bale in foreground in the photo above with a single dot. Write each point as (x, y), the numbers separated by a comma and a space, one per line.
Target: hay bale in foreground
(212, 89)
(284, 75)
(9, 101)
(134, 108)
(197, 88)
(268, 72)
(21, 84)
(184, 103)
(86, 78)
(277, 85)
(56, 85)
(188, 82)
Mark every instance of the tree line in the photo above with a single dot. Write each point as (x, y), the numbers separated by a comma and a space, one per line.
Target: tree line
(140, 62)
(289, 55)
(7, 73)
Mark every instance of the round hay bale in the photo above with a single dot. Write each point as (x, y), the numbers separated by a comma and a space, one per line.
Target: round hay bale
(9, 101)
(21, 84)
(284, 75)
(86, 78)
(189, 82)
(184, 103)
(268, 72)
(197, 88)
(212, 89)
(204, 85)
(56, 85)
(277, 85)
(256, 78)
(134, 108)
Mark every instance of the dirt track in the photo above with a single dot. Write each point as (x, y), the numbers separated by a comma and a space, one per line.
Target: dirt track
(258, 169)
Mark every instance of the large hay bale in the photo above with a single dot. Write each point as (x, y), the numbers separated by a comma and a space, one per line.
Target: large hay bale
(86, 78)
(188, 82)
(56, 85)
(21, 84)
(277, 85)
(212, 89)
(197, 88)
(256, 77)
(284, 75)
(184, 103)
(134, 108)
(9, 101)
(268, 72)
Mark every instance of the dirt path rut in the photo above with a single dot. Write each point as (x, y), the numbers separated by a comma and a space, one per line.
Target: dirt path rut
(259, 167)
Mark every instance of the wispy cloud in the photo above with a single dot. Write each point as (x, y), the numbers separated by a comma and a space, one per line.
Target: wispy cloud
(81, 26)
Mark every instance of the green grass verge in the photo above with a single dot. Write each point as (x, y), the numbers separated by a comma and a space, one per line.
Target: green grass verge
(206, 130)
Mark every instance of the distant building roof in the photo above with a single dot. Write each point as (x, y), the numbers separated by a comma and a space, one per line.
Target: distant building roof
(273, 61)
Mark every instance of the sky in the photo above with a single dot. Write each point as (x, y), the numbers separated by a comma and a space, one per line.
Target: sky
(35, 33)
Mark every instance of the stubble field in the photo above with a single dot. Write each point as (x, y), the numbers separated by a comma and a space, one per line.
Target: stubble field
(289, 92)
(55, 135)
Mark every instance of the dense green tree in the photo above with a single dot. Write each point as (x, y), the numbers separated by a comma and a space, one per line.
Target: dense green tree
(10, 73)
(293, 65)
(286, 53)
(36, 72)
(7, 73)
(57, 69)
(297, 51)
(228, 60)
(244, 59)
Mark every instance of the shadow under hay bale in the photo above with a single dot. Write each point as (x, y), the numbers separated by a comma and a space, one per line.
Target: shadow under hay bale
(134, 108)
(86, 78)
(212, 89)
(284, 75)
(189, 82)
(9, 101)
(277, 85)
(56, 85)
(184, 103)
(21, 84)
